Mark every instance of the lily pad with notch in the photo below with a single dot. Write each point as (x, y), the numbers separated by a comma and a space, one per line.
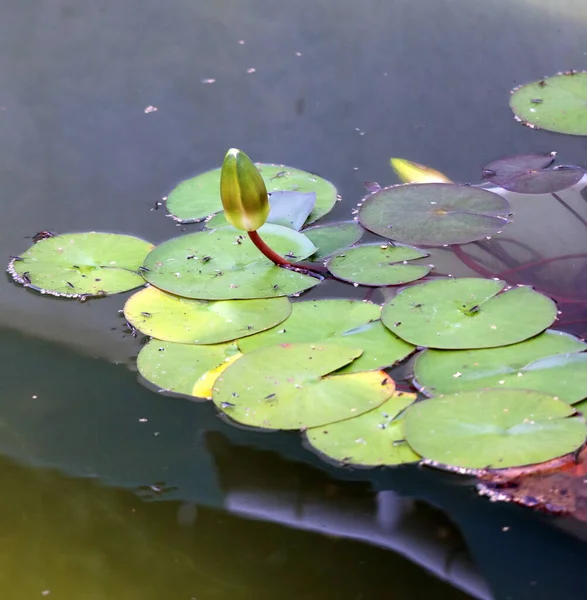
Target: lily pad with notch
(378, 264)
(333, 238)
(349, 322)
(175, 319)
(467, 313)
(82, 265)
(178, 368)
(493, 428)
(528, 174)
(225, 265)
(199, 197)
(553, 362)
(556, 103)
(434, 214)
(289, 387)
(375, 438)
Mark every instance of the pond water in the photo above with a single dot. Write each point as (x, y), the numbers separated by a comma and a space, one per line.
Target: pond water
(112, 491)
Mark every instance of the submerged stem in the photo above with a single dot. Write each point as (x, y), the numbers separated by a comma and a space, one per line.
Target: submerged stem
(470, 262)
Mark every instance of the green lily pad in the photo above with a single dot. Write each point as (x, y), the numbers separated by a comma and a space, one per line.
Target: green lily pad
(225, 265)
(349, 322)
(333, 238)
(493, 428)
(196, 198)
(378, 264)
(289, 209)
(175, 319)
(456, 314)
(286, 387)
(557, 103)
(434, 214)
(81, 265)
(549, 363)
(174, 367)
(372, 439)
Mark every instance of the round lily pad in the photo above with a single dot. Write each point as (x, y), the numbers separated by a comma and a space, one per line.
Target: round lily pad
(176, 319)
(378, 264)
(493, 428)
(467, 313)
(333, 238)
(349, 322)
(177, 368)
(81, 265)
(225, 265)
(552, 362)
(372, 439)
(557, 103)
(286, 387)
(434, 214)
(527, 174)
(196, 198)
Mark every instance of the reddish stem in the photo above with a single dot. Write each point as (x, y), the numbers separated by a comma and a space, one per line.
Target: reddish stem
(541, 262)
(470, 262)
(279, 260)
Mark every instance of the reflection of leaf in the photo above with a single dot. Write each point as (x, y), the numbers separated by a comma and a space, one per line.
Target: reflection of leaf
(493, 428)
(555, 103)
(434, 214)
(527, 174)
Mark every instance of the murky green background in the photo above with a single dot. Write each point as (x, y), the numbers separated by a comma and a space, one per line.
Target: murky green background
(112, 492)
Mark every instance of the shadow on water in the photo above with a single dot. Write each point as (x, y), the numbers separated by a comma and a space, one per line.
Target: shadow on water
(338, 87)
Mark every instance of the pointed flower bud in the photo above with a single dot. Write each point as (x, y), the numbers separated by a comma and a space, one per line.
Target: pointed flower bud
(412, 172)
(243, 192)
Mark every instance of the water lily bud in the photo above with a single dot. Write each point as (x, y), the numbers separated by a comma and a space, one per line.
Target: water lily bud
(243, 192)
(412, 172)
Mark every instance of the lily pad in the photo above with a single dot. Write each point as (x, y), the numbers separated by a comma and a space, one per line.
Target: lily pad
(225, 265)
(557, 103)
(175, 319)
(549, 363)
(434, 214)
(349, 322)
(196, 198)
(378, 264)
(467, 313)
(493, 428)
(81, 265)
(527, 174)
(333, 238)
(177, 368)
(372, 439)
(286, 387)
(289, 209)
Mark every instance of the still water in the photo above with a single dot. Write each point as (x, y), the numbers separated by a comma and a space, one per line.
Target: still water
(113, 492)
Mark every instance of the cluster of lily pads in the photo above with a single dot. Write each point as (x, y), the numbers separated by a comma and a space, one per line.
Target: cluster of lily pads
(493, 385)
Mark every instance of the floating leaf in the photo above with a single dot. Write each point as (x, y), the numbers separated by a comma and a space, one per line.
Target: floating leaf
(289, 209)
(177, 368)
(350, 322)
(527, 174)
(467, 313)
(434, 214)
(549, 363)
(225, 265)
(196, 198)
(285, 387)
(493, 428)
(175, 319)
(79, 265)
(413, 172)
(333, 238)
(372, 439)
(378, 264)
(555, 103)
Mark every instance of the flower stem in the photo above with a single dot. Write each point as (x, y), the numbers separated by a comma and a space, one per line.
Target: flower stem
(470, 262)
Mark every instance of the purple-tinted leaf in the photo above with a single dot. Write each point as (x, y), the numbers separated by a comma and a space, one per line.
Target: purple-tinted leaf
(371, 186)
